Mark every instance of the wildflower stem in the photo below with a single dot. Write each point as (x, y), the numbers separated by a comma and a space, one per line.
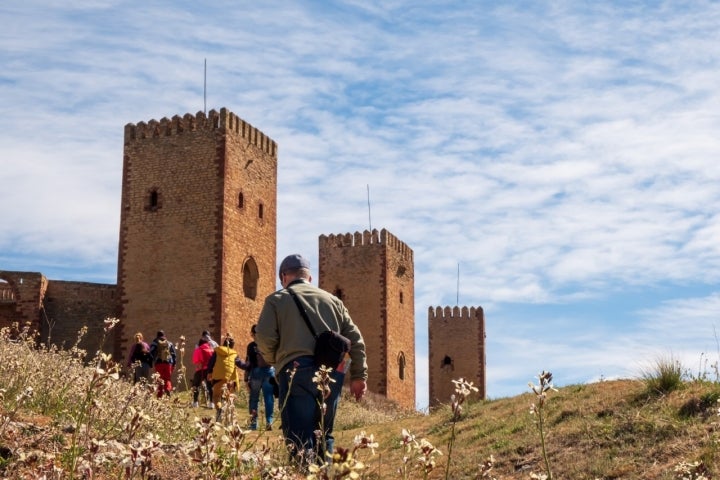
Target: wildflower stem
(540, 391)
(451, 442)
(541, 424)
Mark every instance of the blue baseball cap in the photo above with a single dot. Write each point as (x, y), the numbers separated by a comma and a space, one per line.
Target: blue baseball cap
(294, 262)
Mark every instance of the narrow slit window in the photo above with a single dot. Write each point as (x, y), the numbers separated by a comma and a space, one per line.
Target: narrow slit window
(152, 202)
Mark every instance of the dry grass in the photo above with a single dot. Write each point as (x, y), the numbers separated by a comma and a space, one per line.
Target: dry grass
(74, 422)
(604, 430)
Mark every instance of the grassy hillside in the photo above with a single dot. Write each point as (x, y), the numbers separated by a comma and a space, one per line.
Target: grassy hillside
(61, 419)
(607, 430)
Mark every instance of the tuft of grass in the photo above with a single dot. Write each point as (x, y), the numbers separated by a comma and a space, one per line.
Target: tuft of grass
(663, 376)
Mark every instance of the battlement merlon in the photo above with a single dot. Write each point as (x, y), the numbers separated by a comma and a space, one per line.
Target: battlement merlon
(383, 237)
(452, 313)
(222, 120)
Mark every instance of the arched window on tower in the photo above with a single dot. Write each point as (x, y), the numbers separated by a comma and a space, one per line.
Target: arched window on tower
(448, 365)
(250, 278)
(401, 366)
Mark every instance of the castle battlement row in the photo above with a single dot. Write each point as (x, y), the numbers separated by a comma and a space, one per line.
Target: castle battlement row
(358, 239)
(447, 313)
(224, 119)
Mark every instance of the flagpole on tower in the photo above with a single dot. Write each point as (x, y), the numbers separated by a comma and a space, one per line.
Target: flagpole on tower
(368, 198)
(457, 298)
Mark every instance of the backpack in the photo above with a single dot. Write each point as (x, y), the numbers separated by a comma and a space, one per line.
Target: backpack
(254, 357)
(163, 350)
(225, 368)
(141, 354)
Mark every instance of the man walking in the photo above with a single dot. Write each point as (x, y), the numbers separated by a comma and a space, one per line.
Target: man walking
(285, 341)
(259, 377)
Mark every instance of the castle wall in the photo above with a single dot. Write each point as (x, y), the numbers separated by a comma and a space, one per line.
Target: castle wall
(363, 270)
(69, 306)
(58, 309)
(184, 236)
(456, 350)
(22, 298)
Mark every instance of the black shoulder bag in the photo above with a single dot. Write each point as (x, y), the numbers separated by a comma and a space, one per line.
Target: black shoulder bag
(330, 346)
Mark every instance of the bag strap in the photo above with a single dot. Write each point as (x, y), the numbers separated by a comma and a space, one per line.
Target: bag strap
(302, 312)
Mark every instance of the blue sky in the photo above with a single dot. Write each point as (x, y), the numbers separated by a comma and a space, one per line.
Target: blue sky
(563, 154)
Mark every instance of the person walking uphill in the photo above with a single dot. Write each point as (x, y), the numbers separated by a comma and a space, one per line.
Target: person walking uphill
(286, 342)
(259, 377)
(164, 356)
(140, 358)
(201, 357)
(223, 367)
(206, 336)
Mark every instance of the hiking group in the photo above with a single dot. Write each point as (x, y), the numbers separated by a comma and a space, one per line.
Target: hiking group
(280, 362)
(217, 373)
(160, 354)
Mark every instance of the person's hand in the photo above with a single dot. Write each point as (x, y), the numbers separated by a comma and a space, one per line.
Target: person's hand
(358, 387)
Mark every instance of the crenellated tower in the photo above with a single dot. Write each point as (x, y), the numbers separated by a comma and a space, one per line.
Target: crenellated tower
(373, 274)
(457, 350)
(197, 227)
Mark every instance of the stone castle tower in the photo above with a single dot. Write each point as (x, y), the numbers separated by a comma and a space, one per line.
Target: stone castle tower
(373, 274)
(197, 227)
(457, 350)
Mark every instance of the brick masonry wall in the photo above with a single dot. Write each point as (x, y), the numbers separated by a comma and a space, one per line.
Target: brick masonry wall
(400, 285)
(181, 262)
(59, 309)
(459, 334)
(69, 306)
(28, 290)
(362, 269)
(250, 230)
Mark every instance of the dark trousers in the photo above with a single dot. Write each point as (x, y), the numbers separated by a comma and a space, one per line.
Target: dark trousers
(300, 403)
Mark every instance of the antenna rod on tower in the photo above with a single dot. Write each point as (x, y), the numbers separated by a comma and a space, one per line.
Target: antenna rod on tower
(205, 89)
(457, 298)
(369, 217)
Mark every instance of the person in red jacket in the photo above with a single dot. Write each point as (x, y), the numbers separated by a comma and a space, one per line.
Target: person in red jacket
(201, 357)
